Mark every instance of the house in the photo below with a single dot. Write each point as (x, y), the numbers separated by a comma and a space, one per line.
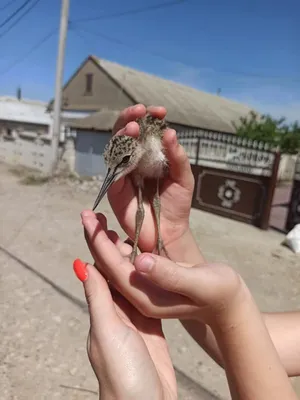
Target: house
(23, 117)
(103, 86)
(25, 133)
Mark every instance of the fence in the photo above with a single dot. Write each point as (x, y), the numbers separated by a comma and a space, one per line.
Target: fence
(27, 151)
(234, 177)
(293, 217)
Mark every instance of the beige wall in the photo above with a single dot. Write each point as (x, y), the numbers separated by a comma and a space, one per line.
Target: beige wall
(106, 94)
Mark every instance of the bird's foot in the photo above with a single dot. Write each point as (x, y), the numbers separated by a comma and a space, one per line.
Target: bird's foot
(160, 247)
(133, 255)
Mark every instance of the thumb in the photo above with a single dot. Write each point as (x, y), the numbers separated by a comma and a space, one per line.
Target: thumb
(206, 284)
(97, 293)
(179, 163)
(169, 275)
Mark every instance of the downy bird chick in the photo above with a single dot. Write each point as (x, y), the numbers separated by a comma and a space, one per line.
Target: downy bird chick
(143, 158)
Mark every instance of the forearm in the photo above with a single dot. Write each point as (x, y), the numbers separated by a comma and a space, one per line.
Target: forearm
(284, 330)
(252, 365)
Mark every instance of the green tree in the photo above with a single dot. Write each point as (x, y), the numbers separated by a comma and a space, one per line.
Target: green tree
(270, 130)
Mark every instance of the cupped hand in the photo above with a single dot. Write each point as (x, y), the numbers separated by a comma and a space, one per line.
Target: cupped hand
(158, 287)
(128, 352)
(176, 188)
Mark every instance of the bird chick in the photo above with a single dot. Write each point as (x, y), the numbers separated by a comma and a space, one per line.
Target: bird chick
(143, 158)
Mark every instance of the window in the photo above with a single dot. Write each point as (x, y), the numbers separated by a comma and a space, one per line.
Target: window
(88, 83)
(9, 132)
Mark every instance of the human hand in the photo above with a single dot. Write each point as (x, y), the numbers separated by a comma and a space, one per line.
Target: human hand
(206, 292)
(127, 351)
(176, 192)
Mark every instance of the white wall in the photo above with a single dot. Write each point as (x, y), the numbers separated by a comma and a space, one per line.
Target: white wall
(286, 169)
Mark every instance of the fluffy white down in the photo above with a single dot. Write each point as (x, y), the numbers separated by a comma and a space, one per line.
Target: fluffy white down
(153, 161)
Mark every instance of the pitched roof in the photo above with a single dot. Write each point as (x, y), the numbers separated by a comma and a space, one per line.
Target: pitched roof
(185, 105)
(99, 121)
(29, 111)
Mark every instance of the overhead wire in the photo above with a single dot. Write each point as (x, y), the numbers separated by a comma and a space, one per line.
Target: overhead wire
(16, 12)
(29, 52)
(132, 11)
(121, 42)
(32, 6)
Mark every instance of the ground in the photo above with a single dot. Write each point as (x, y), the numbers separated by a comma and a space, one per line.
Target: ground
(44, 321)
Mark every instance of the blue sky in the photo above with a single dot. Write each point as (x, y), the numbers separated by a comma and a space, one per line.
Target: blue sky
(249, 49)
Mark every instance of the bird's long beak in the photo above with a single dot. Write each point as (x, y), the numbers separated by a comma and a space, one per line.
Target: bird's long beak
(108, 181)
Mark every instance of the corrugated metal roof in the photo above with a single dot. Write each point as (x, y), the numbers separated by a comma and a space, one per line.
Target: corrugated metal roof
(99, 121)
(185, 105)
(30, 111)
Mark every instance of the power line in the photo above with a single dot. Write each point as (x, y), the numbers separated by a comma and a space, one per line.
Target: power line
(11, 16)
(133, 11)
(166, 58)
(19, 19)
(7, 5)
(30, 51)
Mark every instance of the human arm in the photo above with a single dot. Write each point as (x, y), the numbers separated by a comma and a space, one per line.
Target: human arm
(251, 362)
(283, 328)
(128, 352)
(210, 293)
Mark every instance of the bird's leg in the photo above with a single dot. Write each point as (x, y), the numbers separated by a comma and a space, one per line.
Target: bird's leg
(156, 208)
(139, 219)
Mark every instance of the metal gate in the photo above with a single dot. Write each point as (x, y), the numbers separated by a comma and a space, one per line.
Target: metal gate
(234, 177)
(293, 217)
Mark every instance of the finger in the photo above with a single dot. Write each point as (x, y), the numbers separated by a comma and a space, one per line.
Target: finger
(128, 115)
(194, 283)
(98, 296)
(103, 220)
(101, 245)
(131, 129)
(124, 248)
(157, 111)
(148, 298)
(179, 165)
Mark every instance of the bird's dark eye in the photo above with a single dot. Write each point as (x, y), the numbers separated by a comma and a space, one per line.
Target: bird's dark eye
(125, 159)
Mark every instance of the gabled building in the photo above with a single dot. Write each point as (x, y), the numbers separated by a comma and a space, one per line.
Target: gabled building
(100, 84)
(105, 88)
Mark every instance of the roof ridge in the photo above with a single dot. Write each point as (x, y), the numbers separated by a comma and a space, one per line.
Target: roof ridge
(170, 81)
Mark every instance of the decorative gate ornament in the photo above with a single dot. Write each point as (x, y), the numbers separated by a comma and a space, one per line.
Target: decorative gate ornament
(229, 193)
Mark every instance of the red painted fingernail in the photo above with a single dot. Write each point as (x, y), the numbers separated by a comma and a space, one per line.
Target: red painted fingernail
(80, 270)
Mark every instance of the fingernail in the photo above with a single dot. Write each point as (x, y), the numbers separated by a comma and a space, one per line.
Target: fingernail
(87, 213)
(80, 270)
(146, 263)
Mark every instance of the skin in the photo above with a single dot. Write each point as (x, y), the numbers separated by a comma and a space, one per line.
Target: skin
(284, 328)
(178, 184)
(213, 294)
(128, 351)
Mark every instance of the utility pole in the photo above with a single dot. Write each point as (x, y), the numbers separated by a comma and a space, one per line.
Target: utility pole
(56, 128)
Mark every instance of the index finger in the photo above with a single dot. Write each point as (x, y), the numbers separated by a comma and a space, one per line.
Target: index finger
(147, 297)
(129, 114)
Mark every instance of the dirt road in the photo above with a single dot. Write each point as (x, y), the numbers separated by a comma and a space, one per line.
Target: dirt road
(44, 322)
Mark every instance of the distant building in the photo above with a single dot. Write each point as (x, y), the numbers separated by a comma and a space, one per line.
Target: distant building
(103, 87)
(23, 117)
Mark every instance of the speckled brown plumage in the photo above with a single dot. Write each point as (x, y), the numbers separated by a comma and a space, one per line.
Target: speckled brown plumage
(143, 157)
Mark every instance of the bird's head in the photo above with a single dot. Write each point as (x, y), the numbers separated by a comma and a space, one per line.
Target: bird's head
(122, 155)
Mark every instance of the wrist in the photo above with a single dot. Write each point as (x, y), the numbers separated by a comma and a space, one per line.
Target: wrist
(185, 249)
(235, 312)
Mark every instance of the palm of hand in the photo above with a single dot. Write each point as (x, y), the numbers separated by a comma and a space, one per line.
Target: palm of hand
(174, 213)
(144, 348)
(176, 190)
